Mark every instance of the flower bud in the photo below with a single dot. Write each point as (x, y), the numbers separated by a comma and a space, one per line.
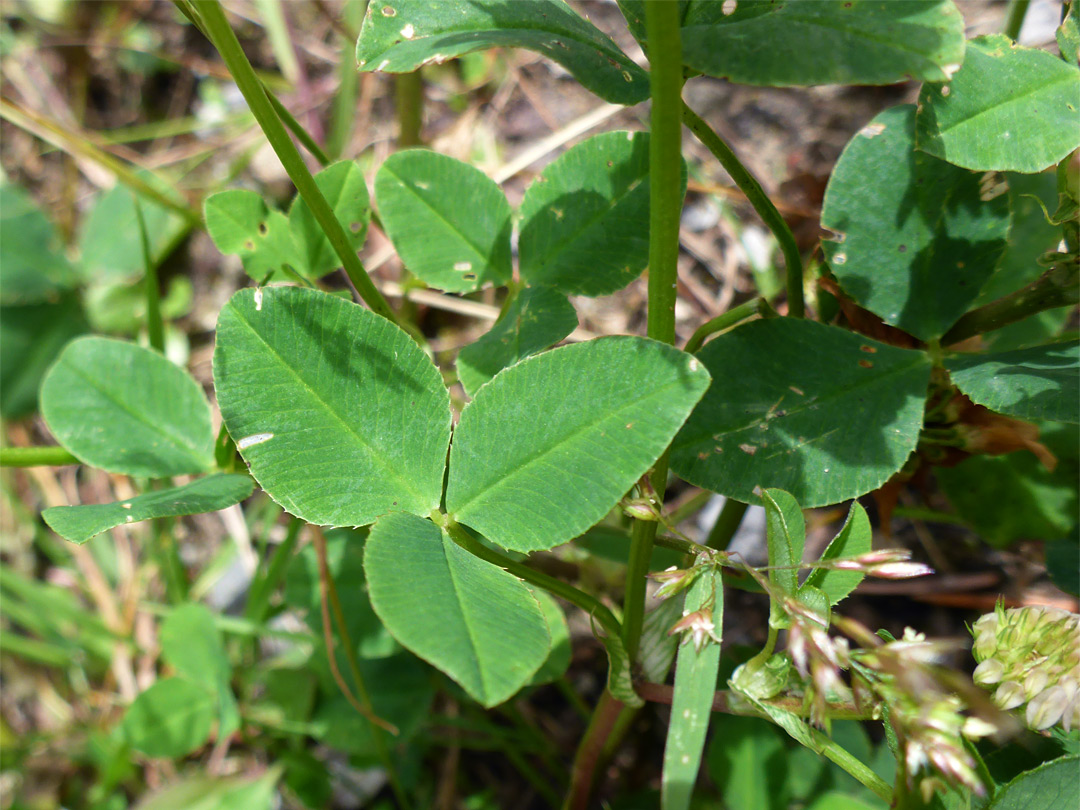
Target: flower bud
(1009, 695)
(899, 570)
(988, 672)
(1046, 708)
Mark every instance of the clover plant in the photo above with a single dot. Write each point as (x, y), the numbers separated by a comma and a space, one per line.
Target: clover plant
(948, 223)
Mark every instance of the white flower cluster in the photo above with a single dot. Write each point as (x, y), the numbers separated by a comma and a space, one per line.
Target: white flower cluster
(1031, 655)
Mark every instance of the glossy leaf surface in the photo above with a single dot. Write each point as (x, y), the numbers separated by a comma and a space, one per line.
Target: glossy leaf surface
(1041, 382)
(691, 704)
(449, 222)
(81, 523)
(338, 412)
(824, 41)
(537, 318)
(475, 622)
(343, 186)
(1052, 784)
(585, 218)
(399, 36)
(916, 244)
(1007, 109)
(549, 446)
(815, 410)
(127, 409)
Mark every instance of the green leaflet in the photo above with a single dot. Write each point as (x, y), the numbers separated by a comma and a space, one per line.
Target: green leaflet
(537, 318)
(549, 446)
(399, 36)
(1007, 109)
(854, 538)
(475, 622)
(815, 410)
(585, 218)
(451, 246)
(127, 409)
(852, 43)
(34, 269)
(338, 412)
(691, 704)
(1041, 382)
(81, 523)
(917, 245)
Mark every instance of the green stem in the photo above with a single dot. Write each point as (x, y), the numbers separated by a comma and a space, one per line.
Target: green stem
(757, 197)
(155, 328)
(409, 98)
(592, 606)
(1057, 287)
(665, 207)
(1014, 20)
(343, 109)
(224, 39)
(36, 457)
(258, 601)
(727, 523)
(733, 317)
(296, 128)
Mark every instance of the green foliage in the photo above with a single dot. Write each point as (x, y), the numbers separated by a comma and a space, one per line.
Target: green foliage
(852, 540)
(449, 245)
(320, 395)
(537, 318)
(81, 523)
(917, 245)
(1042, 382)
(549, 446)
(585, 219)
(696, 669)
(1051, 784)
(852, 43)
(127, 409)
(202, 792)
(476, 623)
(818, 411)
(1007, 109)
(400, 36)
(171, 718)
(34, 269)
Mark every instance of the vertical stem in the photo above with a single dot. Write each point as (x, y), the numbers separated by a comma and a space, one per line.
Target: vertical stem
(343, 109)
(665, 206)
(590, 749)
(757, 197)
(224, 39)
(1014, 19)
(409, 97)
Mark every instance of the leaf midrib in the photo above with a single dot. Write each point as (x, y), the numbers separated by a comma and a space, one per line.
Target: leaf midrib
(177, 442)
(1012, 99)
(539, 455)
(369, 449)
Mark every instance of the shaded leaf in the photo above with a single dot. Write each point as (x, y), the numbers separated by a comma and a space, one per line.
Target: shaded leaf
(1007, 109)
(81, 523)
(1052, 784)
(477, 623)
(748, 764)
(820, 412)
(109, 245)
(338, 412)
(785, 532)
(1041, 382)
(585, 218)
(549, 446)
(343, 186)
(127, 409)
(824, 41)
(34, 269)
(558, 660)
(917, 244)
(31, 336)
(204, 792)
(853, 539)
(171, 718)
(537, 318)
(1068, 37)
(450, 245)
(399, 36)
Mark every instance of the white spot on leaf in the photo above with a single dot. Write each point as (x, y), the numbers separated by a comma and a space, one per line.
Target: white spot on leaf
(729, 7)
(408, 31)
(951, 69)
(461, 267)
(870, 130)
(840, 258)
(382, 65)
(125, 506)
(945, 90)
(250, 441)
(258, 299)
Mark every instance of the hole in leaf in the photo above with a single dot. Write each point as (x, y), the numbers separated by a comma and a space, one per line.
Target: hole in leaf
(263, 229)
